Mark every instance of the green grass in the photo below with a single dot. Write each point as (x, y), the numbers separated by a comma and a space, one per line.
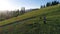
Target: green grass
(32, 14)
(34, 25)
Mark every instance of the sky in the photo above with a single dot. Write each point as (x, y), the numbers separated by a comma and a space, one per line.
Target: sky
(17, 4)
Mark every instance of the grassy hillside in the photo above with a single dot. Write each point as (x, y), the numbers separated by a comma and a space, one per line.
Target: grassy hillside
(30, 23)
(33, 14)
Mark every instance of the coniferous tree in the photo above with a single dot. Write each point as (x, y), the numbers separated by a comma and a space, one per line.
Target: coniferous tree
(43, 6)
(22, 10)
(52, 3)
(55, 2)
(48, 4)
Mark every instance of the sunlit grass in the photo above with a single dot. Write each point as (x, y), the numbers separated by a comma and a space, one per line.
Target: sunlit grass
(32, 14)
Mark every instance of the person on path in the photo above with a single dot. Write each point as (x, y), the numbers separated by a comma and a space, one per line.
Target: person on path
(44, 19)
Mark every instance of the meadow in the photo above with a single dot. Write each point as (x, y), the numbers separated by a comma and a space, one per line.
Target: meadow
(30, 22)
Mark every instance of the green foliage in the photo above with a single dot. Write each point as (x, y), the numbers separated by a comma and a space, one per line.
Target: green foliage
(52, 3)
(48, 4)
(55, 2)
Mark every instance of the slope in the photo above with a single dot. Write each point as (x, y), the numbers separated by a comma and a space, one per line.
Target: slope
(30, 23)
(32, 14)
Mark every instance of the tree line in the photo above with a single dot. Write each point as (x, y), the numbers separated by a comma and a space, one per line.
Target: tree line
(11, 14)
(15, 13)
(50, 4)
